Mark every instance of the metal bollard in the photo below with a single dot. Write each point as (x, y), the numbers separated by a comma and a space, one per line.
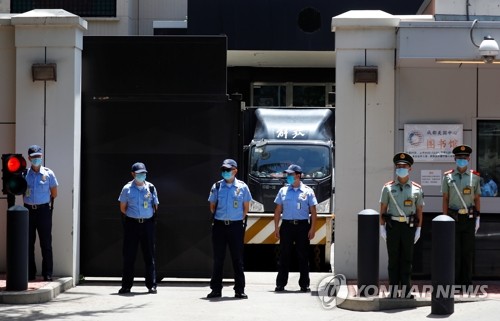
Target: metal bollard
(443, 265)
(17, 248)
(368, 252)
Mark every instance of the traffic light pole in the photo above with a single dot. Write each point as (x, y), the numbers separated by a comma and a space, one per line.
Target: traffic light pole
(17, 248)
(11, 200)
(14, 183)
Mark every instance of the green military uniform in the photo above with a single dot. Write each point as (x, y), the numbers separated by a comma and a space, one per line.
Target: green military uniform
(401, 229)
(468, 186)
(400, 233)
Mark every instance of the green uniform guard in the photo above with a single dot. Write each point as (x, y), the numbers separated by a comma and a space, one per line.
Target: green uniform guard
(462, 201)
(401, 206)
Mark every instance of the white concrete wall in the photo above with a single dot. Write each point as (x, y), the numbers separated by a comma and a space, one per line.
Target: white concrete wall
(135, 17)
(476, 8)
(4, 6)
(47, 114)
(7, 115)
(432, 93)
(412, 89)
(364, 127)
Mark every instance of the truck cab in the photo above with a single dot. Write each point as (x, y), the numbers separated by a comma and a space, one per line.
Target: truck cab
(285, 136)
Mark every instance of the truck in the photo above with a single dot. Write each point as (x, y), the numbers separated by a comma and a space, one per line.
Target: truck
(284, 136)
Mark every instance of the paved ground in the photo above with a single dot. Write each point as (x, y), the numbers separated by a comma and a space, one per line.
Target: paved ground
(186, 300)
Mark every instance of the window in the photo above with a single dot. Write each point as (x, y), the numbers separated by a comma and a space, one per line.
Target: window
(82, 8)
(488, 157)
(271, 160)
(291, 94)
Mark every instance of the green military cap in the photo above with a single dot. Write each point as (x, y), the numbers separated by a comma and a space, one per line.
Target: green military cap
(403, 158)
(462, 150)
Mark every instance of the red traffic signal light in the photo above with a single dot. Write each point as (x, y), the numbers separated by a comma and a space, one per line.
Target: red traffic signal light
(13, 170)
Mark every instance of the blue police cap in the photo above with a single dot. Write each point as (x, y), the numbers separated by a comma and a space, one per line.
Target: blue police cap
(35, 150)
(293, 169)
(229, 163)
(139, 168)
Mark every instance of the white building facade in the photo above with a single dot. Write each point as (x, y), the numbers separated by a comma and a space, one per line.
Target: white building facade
(430, 76)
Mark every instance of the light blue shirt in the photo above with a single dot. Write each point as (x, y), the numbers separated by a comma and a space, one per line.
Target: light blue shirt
(139, 201)
(296, 201)
(230, 200)
(39, 185)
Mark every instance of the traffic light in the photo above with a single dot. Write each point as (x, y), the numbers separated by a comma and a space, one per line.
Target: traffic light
(13, 170)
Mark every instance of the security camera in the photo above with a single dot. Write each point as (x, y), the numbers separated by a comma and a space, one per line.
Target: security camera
(488, 49)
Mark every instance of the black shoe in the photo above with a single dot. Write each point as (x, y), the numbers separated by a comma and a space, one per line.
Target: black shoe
(279, 289)
(124, 290)
(47, 278)
(240, 295)
(32, 278)
(153, 290)
(305, 289)
(214, 294)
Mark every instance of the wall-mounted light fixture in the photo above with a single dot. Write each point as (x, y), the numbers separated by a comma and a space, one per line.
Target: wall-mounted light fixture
(44, 72)
(365, 74)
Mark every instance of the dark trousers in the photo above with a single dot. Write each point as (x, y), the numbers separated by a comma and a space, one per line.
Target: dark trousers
(464, 249)
(136, 233)
(40, 219)
(290, 234)
(400, 243)
(228, 235)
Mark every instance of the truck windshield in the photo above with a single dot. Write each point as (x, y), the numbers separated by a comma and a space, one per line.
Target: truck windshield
(272, 160)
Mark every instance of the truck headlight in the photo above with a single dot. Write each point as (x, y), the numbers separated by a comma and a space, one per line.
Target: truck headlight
(256, 207)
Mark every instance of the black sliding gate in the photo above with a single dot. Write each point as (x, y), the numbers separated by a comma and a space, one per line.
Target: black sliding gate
(161, 101)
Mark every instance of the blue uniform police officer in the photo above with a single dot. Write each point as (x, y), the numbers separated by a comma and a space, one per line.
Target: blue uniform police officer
(294, 203)
(229, 202)
(138, 203)
(38, 199)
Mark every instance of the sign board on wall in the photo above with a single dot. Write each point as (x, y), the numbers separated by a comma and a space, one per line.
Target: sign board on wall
(430, 177)
(432, 142)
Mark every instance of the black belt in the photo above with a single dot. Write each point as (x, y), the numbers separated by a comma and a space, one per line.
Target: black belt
(296, 222)
(35, 206)
(227, 222)
(138, 220)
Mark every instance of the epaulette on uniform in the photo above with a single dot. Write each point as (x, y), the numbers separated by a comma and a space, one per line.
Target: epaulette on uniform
(449, 172)
(475, 172)
(307, 187)
(417, 185)
(389, 183)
